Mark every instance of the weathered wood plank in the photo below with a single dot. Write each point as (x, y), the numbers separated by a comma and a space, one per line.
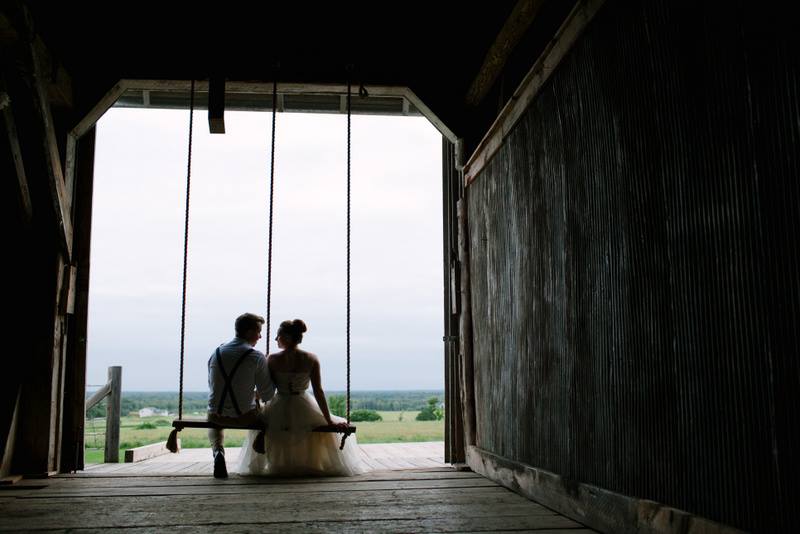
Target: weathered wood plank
(565, 37)
(138, 454)
(16, 154)
(216, 105)
(274, 490)
(62, 199)
(293, 88)
(102, 480)
(596, 507)
(210, 509)
(350, 527)
(105, 103)
(513, 30)
(80, 158)
(430, 500)
(467, 382)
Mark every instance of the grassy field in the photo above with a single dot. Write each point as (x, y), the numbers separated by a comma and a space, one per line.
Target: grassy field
(396, 427)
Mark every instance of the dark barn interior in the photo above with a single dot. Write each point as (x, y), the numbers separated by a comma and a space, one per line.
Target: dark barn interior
(622, 297)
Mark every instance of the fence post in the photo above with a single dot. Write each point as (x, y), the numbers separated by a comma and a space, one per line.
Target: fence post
(113, 409)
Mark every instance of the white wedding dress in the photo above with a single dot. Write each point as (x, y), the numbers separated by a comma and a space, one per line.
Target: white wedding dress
(292, 449)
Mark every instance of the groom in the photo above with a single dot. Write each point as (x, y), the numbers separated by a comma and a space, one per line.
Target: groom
(234, 370)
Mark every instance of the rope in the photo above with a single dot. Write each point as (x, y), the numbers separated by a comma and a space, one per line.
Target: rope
(186, 250)
(348, 252)
(271, 198)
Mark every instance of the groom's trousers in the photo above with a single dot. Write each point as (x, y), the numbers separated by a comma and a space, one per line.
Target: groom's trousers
(217, 436)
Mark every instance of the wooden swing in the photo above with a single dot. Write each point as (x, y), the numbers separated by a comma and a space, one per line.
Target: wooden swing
(180, 423)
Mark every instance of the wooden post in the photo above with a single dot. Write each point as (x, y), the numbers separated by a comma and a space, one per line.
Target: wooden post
(113, 409)
(454, 428)
(216, 105)
(72, 445)
(465, 329)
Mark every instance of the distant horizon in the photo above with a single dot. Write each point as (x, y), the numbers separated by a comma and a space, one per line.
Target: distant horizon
(327, 391)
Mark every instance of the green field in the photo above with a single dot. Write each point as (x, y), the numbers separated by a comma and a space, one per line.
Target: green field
(396, 427)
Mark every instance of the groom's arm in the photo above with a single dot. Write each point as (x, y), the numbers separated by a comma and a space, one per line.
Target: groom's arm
(264, 385)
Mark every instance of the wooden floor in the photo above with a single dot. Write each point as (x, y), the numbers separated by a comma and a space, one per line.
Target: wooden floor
(420, 500)
(383, 456)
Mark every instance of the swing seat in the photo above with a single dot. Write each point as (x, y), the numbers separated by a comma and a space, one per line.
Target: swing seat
(180, 424)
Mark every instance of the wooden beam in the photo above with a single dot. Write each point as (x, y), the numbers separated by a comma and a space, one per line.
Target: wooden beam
(66, 297)
(105, 103)
(521, 18)
(60, 196)
(98, 396)
(427, 112)
(59, 82)
(86, 124)
(551, 57)
(465, 328)
(216, 105)
(294, 89)
(72, 442)
(10, 436)
(16, 154)
(595, 507)
(69, 164)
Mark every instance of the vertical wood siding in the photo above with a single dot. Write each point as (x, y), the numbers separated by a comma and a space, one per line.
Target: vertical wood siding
(634, 263)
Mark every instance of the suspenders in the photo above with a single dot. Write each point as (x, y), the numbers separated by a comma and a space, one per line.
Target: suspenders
(228, 384)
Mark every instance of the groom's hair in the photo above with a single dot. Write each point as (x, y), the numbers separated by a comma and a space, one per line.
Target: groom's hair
(247, 322)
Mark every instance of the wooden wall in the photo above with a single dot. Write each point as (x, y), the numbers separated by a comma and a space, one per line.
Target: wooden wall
(43, 373)
(634, 265)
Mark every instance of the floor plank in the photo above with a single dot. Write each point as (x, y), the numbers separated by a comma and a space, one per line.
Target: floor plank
(434, 500)
(380, 456)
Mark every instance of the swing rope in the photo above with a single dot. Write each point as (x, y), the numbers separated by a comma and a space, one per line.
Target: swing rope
(271, 199)
(180, 423)
(186, 250)
(349, 86)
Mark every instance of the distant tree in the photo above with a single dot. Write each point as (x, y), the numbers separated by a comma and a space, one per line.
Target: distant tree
(365, 415)
(431, 412)
(337, 405)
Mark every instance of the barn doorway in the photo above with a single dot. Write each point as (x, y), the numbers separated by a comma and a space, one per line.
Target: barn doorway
(143, 269)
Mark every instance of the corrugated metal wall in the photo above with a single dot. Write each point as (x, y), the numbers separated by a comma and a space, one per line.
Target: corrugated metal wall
(634, 264)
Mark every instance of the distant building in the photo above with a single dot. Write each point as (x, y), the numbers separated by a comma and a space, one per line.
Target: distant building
(150, 412)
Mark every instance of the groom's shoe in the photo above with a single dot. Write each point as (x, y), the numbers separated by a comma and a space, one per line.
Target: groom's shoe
(220, 470)
(258, 444)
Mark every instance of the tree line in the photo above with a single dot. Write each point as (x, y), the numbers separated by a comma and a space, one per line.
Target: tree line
(197, 401)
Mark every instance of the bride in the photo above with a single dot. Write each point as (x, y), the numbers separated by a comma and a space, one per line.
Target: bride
(291, 447)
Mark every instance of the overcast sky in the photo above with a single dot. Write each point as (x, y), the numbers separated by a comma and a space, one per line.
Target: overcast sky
(137, 244)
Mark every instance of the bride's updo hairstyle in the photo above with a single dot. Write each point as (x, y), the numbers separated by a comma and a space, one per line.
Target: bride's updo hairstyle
(292, 331)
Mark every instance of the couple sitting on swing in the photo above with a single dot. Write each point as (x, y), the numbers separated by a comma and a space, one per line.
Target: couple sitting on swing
(290, 414)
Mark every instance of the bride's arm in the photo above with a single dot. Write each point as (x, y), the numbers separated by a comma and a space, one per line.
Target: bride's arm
(316, 384)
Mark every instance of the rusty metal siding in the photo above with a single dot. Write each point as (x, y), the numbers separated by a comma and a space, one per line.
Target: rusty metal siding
(634, 264)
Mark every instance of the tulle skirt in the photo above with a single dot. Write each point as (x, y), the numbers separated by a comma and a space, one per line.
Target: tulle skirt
(292, 449)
